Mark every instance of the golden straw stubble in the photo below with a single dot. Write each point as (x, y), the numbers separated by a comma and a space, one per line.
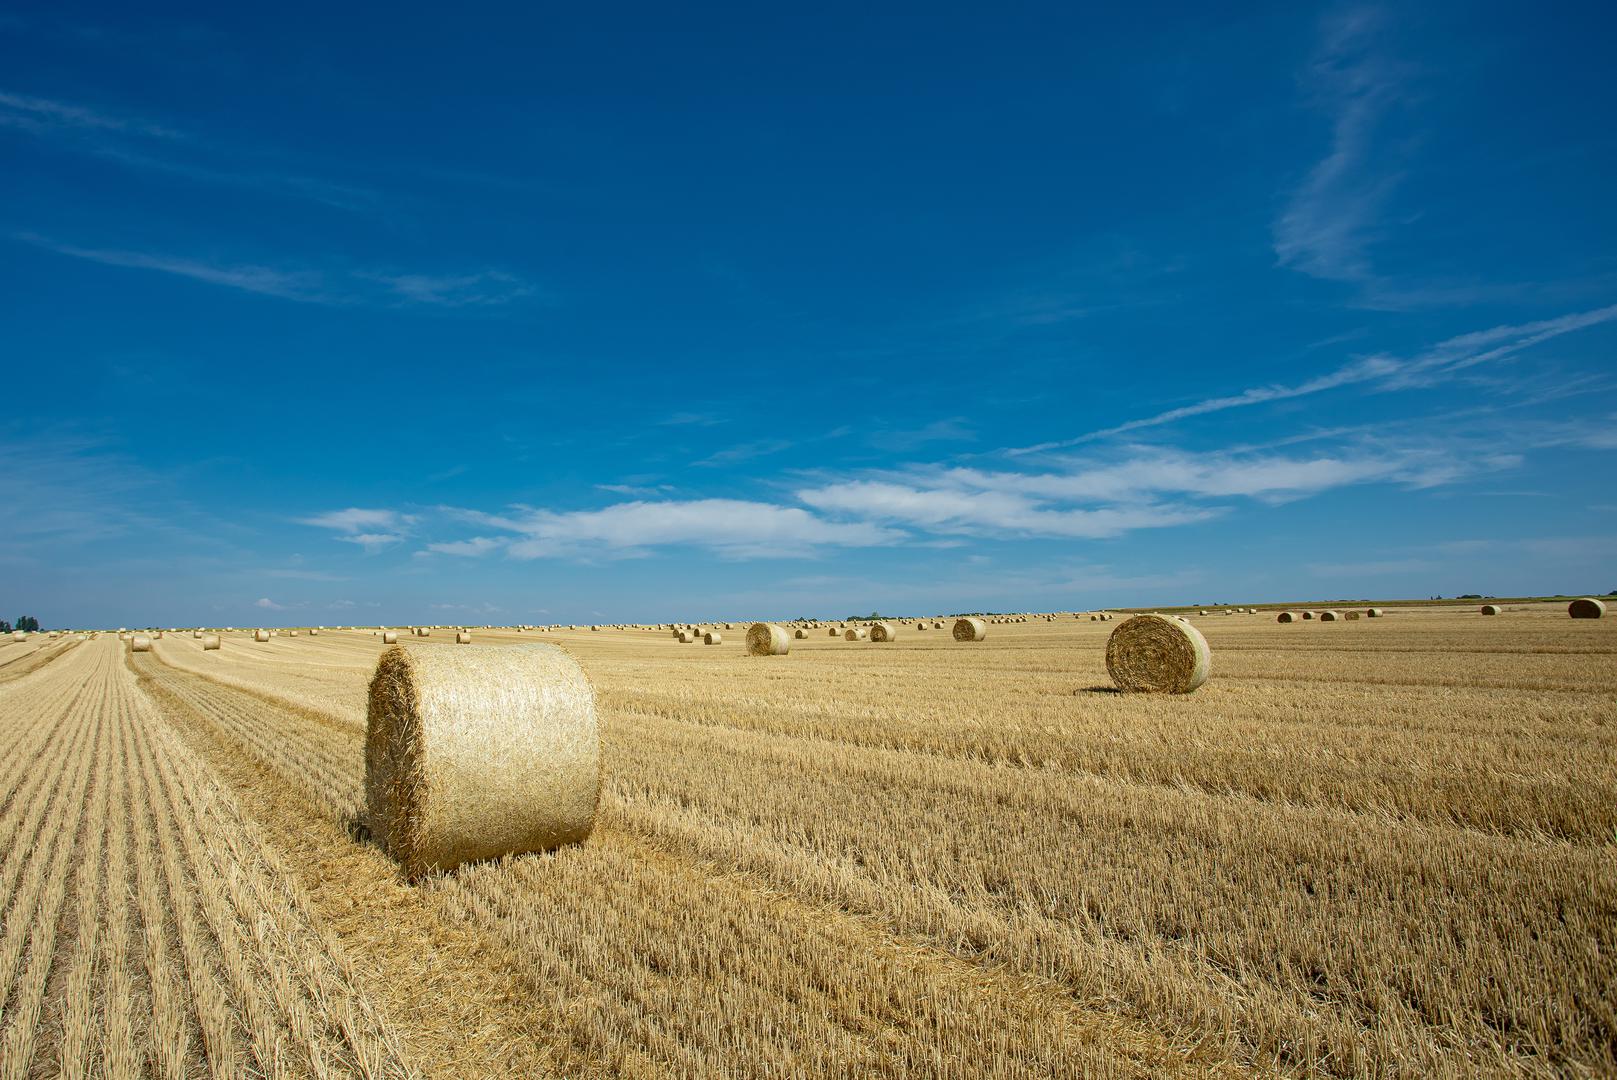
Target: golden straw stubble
(1158, 654)
(480, 751)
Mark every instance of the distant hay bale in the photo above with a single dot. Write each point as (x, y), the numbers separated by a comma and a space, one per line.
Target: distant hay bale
(422, 631)
(855, 633)
(686, 637)
(390, 637)
(767, 639)
(937, 624)
(712, 637)
(480, 752)
(801, 633)
(920, 626)
(196, 633)
(1586, 608)
(1157, 654)
(210, 643)
(260, 635)
(1308, 615)
(1285, 616)
(677, 633)
(1351, 616)
(1374, 613)
(315, 632)
(463, 637)
(970, 630)
(884, 632)
(140, 643)
(833, 632)
(1490, 609)
(1328, 616)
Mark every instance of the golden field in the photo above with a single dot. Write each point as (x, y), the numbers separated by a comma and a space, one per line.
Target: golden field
(1375, 848)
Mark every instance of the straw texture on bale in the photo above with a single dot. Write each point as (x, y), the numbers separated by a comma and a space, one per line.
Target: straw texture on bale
(855, 633)
(210, 643)
(767, 639)
(1328, 616)
(1156, 654)
(1285, 616)
(463, 638)
(970, 630)
(480, 752)
(1586, 608)
(1490, 609)
(1351, 616)
(140, 643)
(390, 637)
(884, 632)
(260, 635)
(712, 637)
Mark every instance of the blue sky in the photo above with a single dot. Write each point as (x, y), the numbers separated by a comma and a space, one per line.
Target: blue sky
(320, 315)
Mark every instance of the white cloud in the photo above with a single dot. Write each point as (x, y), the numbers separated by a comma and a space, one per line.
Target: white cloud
(731, 527)
(267, 603)
(357, 519)
(476, 546)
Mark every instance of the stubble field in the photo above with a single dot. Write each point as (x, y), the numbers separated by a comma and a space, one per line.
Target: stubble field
(1373, 848)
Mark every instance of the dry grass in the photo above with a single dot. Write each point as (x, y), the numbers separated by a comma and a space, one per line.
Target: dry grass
(1379, 848)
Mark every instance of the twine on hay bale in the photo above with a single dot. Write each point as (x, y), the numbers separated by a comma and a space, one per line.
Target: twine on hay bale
(884, 632)
(210, 643)
(1157, 654)
(970, 630)
(1285, 616)
(767, 639)
(140, 643)
(463, 637)
(1328, 616)
(855, 633)
(1586, 608)
(712, 637)
(260, 635)
(1490, 609)
(480, 752)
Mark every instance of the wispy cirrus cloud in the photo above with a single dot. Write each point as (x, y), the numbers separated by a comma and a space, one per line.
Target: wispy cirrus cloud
(40, 115)
(371, 529)
(1442, 361)
(1329, 222)
(311, 286)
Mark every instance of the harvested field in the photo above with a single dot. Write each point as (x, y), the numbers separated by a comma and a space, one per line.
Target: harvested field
(1379, 848)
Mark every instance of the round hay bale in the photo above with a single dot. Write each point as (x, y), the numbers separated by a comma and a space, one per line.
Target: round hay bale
(1285, 616)
(463, 637)
(801, 633)
(970, 630)
(424, 632)
(937, 624)
(1308, 615)
(855, 633)
(210, 643)
(884, 632)
(686, 637)
(1328, 616)
(260, 635)
(294, 633)
(1351, 616)
(315, 632)
(1490, 609)
(677, 633)
(1586, 608)
(1155, 654)
(140, 643)
(833, 632)
(196, 633)
(480, 752)
(712, 637)
(1374, 613)
(767, 639)
(390, 637)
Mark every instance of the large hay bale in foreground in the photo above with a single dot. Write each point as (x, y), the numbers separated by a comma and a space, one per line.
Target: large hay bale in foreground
(884, 632)
(1586, 608)
(390, 637)
(480, 752)
(210, 643)
(970, 630)
(767, 639)
(1157, 654)
(1285, 616)
(140, 643)
(260, 635)
(1490, 609)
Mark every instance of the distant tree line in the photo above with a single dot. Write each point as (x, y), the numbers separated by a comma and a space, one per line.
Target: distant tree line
(25, 624)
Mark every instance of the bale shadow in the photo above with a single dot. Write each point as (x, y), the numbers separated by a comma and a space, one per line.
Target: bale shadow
(1097, 690)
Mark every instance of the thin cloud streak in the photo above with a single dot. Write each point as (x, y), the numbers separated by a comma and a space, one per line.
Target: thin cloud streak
(1442, 361)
